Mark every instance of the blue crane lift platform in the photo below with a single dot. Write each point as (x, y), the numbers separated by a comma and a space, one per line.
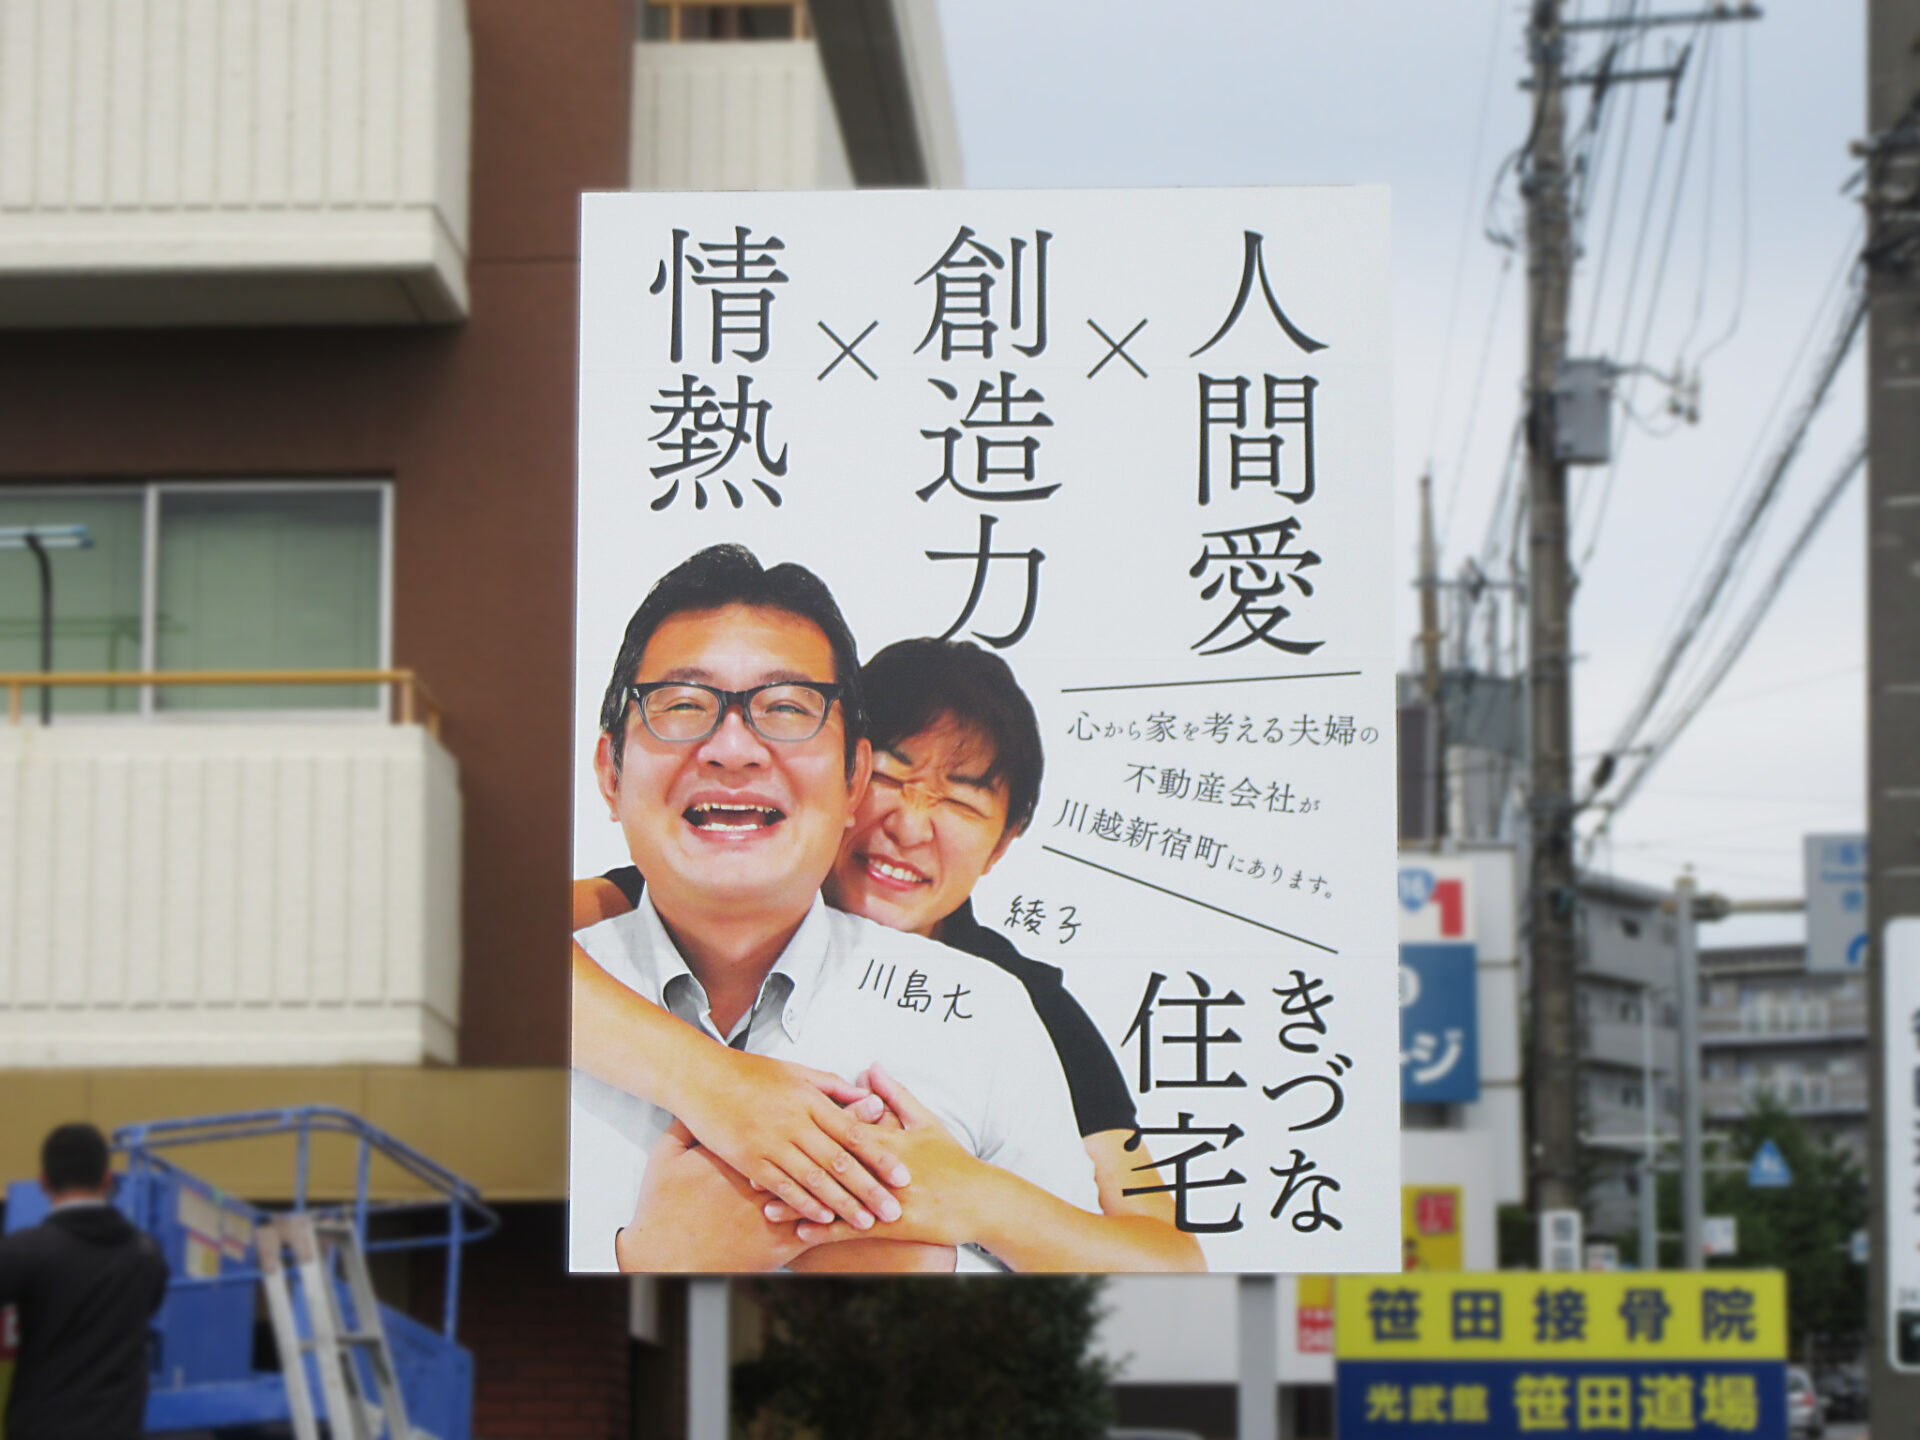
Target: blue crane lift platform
(203, 1366)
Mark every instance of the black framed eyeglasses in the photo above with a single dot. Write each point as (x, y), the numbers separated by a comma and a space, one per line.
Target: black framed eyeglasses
(679, 711)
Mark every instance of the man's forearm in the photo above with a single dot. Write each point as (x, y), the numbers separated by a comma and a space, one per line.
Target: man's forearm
(653, 1247)
(696, 1214)
(629, 1042)
(875, 1257)
(1029, 1229)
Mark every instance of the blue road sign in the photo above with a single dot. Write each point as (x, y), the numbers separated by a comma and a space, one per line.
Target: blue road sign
(1439, 1023)
(1836, 871)
(1769, 1168)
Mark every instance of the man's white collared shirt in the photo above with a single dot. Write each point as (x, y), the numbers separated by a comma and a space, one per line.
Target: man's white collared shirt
(958, 1032)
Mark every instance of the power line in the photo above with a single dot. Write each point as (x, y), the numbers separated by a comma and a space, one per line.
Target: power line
(1717, 534)
(1473, 404)
(1710, 192)
(1758, 797)
(1648, 210)
(1749, 622)
(1638, 367)
(1721, 622)
(1466, 229)
(1613, 213)
(1685, 846)
(1718, 832)
(1590, 147)
(1746, 165)
(1673, 218)
(1758, 503)
(1805, 680)
(1490, 545)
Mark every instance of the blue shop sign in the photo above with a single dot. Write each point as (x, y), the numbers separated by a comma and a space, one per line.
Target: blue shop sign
(1534, 1400)
(1439, 1023)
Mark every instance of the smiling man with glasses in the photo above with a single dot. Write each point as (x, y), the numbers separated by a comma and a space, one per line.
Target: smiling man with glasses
(732, 757)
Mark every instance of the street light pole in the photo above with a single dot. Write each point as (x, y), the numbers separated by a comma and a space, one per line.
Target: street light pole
(1649, 1154)
(39, 539)
(1692, 1186)
(39, 550)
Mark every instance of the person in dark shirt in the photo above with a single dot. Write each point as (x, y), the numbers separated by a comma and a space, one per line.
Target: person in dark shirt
(956, 777)
(85, 1283)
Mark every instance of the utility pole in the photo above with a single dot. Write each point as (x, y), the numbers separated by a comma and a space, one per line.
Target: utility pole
(1893, 667)
(1555, 1065)
(1430, 665)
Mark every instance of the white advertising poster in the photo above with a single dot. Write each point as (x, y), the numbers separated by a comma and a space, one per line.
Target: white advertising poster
(1099, 481)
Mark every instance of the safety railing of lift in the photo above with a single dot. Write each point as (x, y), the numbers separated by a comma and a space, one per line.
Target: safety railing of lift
(410, 702)
(468, 1218)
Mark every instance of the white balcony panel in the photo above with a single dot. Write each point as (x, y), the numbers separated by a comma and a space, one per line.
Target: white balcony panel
(1621, 1042)
(233, 162)
(237, 894)
(734, 115)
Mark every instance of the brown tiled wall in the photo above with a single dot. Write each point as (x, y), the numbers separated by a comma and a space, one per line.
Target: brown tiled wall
(474, 423)
(550, 1351)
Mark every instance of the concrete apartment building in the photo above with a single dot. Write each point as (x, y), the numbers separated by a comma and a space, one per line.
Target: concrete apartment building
(1627, 947)
(287, 322)
(1770, 1027)
(1626, 1011)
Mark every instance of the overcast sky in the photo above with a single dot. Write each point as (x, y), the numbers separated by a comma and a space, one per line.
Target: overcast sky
(1423, 96)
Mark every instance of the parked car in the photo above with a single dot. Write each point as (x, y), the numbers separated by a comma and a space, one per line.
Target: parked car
(1804, 1418)
(1843, 1392)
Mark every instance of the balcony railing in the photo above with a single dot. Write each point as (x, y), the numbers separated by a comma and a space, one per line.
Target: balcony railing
(1801, 1094)
(251, 162)
(408, 697)
(285, 892)
(1813, 1019)
(720, 115)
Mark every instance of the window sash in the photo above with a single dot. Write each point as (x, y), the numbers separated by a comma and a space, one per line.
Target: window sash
(152, 595)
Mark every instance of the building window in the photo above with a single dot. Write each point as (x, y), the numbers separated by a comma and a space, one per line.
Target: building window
(202, 577)
(719, 20)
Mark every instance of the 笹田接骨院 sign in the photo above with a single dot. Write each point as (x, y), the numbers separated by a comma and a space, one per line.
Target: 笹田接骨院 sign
(985, 698)
(1510, 1355)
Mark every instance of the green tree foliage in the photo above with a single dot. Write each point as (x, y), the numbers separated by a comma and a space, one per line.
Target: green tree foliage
(1804, 1229)
(980, 1358)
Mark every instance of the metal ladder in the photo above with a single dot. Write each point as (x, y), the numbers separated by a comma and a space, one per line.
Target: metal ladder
(309, 1247)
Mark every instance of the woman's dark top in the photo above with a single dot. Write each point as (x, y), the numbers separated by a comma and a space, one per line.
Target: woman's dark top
(1100, 1097)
